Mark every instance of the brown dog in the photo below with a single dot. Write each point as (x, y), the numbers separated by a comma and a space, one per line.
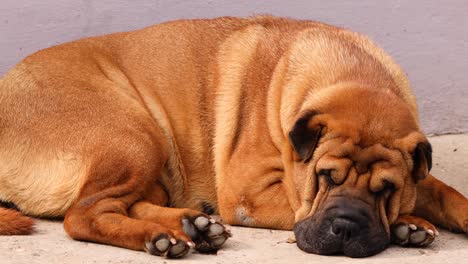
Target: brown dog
(269, 122)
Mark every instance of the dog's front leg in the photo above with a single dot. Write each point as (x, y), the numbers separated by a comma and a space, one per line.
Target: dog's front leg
(118, 179)
(436, 203)
(442, 205)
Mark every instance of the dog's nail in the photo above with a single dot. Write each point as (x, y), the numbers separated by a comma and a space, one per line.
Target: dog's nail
(212, 221)
(173, 241)
(412, 227)
(436, 232)
(430, 232)
(191, 244)
(227, 232)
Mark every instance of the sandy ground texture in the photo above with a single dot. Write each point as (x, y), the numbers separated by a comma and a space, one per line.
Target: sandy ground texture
(50, 244)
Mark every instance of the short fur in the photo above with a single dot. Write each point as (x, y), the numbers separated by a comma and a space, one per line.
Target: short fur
(14, 223)
(110, 131)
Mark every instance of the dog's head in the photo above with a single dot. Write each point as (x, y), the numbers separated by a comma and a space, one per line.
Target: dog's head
(357, 156)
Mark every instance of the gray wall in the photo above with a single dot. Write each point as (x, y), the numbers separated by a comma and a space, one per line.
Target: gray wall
(428, 38)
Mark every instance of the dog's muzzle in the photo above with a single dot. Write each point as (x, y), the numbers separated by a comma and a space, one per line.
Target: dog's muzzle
(347, 226)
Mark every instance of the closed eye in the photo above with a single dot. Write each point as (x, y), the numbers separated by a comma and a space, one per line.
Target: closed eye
(388, 187)
(326, 174)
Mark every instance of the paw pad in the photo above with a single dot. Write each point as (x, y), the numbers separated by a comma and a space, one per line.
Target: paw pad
(208, 234)
(412, 235)
(167, 247)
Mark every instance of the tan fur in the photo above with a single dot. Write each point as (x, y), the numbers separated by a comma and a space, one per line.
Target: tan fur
(110, 131)
(235, 54)
(49, 193)
(14, 223)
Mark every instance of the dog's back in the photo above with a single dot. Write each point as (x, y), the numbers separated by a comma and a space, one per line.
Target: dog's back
(58, 105)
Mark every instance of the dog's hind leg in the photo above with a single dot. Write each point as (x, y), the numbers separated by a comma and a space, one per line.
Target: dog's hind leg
(120, 176)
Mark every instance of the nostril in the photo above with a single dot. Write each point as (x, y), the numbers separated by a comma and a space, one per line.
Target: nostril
(344, 228)
(336, 230)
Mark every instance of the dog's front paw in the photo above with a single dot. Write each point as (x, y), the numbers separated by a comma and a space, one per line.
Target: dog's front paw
(165, 245)
(413, 231)
(207, 233)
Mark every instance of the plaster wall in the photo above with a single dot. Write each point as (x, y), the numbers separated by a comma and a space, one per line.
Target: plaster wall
(428, 38)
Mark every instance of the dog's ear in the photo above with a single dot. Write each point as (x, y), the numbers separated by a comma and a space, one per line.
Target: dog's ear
(422, 160)
(304, 136)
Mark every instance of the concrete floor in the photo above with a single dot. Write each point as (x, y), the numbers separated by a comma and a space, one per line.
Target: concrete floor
(51, 245)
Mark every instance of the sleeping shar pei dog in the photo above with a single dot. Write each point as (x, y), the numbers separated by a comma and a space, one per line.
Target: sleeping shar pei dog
(136, 138)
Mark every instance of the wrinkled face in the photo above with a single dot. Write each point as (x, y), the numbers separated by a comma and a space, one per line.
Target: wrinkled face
(355, 172)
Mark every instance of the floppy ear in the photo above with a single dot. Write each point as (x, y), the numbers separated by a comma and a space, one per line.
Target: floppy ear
(422, 160)
(304, 136)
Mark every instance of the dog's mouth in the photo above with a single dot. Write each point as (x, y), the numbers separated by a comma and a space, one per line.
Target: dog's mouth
(346, 229)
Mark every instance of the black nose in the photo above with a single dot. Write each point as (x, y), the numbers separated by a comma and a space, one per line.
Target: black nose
(345, 225)
(345, 229)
